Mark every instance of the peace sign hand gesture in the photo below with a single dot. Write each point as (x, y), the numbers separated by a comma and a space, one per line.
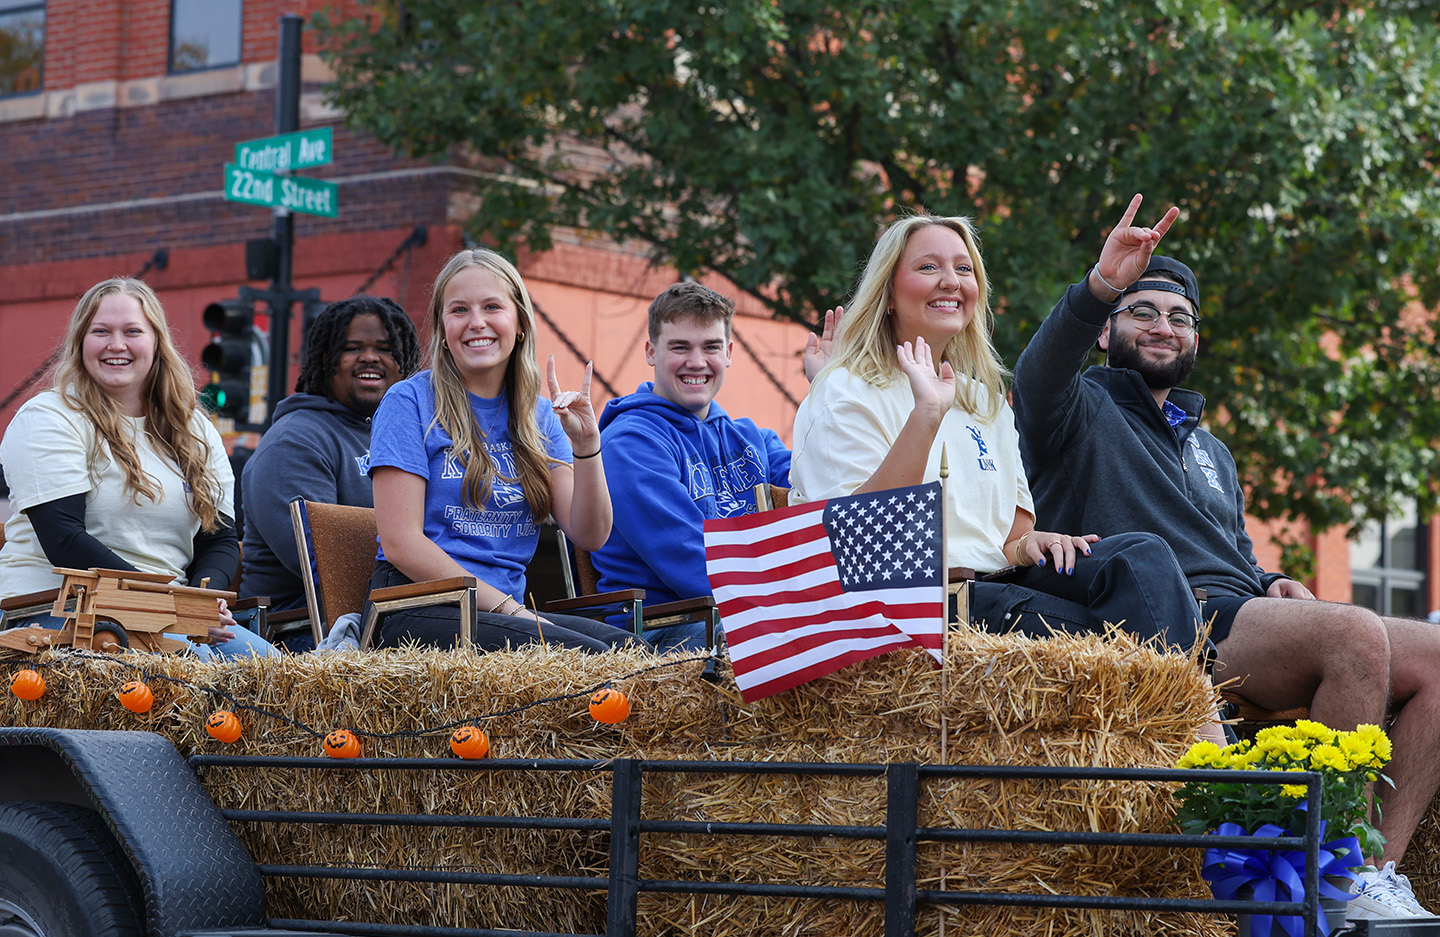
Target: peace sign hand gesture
(1127, 250)
(577, 416)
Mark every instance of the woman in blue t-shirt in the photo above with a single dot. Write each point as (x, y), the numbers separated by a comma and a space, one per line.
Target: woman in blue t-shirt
(467, 459)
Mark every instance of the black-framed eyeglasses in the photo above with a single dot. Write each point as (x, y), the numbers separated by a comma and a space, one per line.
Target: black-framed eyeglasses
(1145, 316)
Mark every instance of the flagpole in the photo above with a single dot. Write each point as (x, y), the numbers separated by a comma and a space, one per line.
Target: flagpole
(944, 611)
(944, 649)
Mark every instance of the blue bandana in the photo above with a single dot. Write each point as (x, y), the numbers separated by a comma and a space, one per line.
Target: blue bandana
(1173, 415)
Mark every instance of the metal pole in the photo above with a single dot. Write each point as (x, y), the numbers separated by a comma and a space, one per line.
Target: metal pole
(287, 120)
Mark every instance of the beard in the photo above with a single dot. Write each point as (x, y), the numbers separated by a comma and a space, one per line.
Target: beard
(1125, 353)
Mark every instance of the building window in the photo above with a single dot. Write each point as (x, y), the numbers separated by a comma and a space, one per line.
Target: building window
(204, 34)
(22, 47)
(1388, 563)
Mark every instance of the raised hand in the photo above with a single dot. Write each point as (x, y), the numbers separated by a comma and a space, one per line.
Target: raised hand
(819, 348)
(1128, 248)
(934, 390)
(577, 416)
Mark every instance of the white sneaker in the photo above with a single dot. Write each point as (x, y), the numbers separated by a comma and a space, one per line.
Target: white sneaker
(1381, 894)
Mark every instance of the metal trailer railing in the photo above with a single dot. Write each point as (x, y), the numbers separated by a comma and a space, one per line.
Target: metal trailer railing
(901, 834)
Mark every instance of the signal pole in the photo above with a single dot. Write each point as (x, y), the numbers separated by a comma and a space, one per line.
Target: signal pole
(287, 120)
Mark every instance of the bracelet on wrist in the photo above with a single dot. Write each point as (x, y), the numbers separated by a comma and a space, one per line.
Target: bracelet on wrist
(497, 606)
(1020, 548)
(590, 456)
(1104, 282)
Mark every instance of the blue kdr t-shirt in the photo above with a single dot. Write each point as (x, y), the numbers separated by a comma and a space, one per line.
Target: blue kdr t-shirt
(496, 540)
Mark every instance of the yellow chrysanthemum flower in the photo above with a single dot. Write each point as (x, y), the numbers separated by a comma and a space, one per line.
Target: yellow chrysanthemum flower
(1323, 757)
(1201, 755)
(1315, 730)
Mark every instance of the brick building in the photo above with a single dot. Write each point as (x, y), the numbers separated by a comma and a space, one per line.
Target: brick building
(116, 117)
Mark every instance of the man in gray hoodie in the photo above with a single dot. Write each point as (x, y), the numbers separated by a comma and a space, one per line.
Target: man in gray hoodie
(318, 446)
(1120, 448)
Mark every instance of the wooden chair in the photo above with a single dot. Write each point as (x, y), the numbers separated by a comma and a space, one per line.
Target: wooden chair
(582, 584)
(336, 545)
(1253, 717)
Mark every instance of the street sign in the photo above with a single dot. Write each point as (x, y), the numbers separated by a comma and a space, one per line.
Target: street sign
(287, 151)
(297, 193)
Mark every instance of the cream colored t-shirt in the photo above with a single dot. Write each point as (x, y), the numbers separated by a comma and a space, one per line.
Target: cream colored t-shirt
(45, 454)
(846, 427)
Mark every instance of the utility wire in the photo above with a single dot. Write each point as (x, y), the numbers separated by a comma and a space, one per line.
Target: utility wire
(574, 350)
(417, 237)
(735, 334)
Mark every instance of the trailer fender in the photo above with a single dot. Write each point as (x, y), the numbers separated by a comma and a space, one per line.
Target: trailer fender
(195, 873)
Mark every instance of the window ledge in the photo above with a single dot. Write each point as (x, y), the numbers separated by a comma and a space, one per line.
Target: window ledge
(61, 103)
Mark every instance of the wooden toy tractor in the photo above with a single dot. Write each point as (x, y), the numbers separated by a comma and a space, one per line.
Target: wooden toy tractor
(111, 610)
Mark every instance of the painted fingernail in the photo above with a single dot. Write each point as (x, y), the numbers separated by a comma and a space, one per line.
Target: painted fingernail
(1042, 562)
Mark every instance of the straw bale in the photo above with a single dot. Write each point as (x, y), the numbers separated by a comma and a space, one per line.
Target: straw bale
(1069, 700)
(1422, 857)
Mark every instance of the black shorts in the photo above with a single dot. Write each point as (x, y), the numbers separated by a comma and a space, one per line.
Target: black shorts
(1220, 611)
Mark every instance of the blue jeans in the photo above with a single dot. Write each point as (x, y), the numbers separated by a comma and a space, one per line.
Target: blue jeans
(245, 643)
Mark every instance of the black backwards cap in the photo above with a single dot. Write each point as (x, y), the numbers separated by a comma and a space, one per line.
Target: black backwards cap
(1187, 286)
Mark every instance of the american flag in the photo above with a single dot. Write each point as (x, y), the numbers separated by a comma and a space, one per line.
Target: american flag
(805, 590)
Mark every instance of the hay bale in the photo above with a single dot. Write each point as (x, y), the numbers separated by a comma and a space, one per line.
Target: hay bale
(1422, 857)
(1068, 700)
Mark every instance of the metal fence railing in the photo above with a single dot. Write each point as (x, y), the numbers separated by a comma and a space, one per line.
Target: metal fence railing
(901, 834)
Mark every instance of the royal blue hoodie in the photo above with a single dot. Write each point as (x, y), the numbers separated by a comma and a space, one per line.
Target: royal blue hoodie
(668, 471)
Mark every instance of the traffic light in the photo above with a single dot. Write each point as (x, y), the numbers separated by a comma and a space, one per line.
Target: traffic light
(228, 357)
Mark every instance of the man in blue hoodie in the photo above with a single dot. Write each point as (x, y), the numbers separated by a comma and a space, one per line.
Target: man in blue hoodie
(318, 446)
(673, 458)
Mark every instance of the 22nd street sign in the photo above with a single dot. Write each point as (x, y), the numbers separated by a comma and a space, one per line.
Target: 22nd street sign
(297, 193)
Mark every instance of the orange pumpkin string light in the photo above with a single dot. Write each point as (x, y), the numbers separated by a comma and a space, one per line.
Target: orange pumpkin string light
(609, 706)
(342, 743)
(28, 685)
(469, 742)
(224, 726)
(136, 697)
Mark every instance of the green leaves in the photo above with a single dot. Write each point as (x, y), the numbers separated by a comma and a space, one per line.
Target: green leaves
(768, 139)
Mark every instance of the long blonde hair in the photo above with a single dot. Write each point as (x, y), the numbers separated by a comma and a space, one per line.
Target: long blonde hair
(168, 397)
(522, 382)
(867, 339)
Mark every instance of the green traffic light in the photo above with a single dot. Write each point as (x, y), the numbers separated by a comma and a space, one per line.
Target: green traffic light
(214, 397)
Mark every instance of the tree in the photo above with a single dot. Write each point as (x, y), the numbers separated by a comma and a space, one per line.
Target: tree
(767, 139)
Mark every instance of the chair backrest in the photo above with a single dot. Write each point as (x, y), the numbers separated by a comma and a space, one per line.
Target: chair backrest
(581, 577)
(336, 544)
(769, 497)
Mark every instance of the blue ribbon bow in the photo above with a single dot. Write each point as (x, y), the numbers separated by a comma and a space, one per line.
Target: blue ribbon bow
(1278, 876)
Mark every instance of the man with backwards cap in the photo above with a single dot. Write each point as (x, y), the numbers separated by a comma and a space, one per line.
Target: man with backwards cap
(1120, 448)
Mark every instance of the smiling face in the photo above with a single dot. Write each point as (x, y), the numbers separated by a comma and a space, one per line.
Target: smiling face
(690, 358)
(119, 350)
(934, 290)
(479, 319)
(1163, 358)
(366, 367)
